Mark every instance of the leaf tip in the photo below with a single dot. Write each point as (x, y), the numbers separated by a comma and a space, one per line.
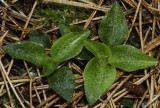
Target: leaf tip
(116, 3)
(156, 61)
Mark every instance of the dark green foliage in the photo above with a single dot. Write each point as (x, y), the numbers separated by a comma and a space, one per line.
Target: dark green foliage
(100, 50)
(100, 72)
(29, 51)
(63, 82)
(127, 102)
(49, 65)
(65, 29)
(68, 46)
(97, 79)
(113, 31)
(129, 58)
(113, 28)
(85, 55)
(41, 38)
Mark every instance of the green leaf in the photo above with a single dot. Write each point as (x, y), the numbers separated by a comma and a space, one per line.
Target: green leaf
(97, 80)
(127, 102)
(91, 36)
(85, 55)
(63, 82)
(69, 45)
(41, 38)
(129, 58)
(29, 51)
(65, 29)
(100, 50)
(49, 65)
(113, 28)
(23, 71)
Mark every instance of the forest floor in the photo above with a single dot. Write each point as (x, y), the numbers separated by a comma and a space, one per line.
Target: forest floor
(21, 83)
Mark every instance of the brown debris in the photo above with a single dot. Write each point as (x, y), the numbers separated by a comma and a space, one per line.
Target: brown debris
(143, 18)
(134, 88)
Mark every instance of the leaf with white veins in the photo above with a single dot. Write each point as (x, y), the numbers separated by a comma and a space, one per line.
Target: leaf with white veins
(69, 45)
(100, 50)
(63, 82)
(97, 79)
(29, 51)
(128, 58)
(113, 29)
(41, 38)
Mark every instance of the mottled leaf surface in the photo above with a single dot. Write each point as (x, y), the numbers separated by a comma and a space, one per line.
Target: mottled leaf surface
(85, 55)
(69, 45)
(63, 82)
(41, 38)
(129, 58)
(114, 28)
(65, 29)
(49, 65)
(29, 51)
(97, 79)
(100, 50)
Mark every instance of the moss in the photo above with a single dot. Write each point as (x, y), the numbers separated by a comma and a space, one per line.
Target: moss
(59, 13)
